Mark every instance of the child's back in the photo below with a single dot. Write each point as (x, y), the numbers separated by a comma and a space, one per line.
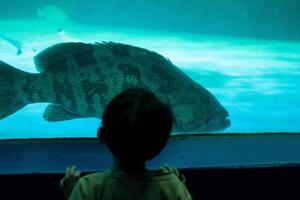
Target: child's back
(135, 127)
(122, 185)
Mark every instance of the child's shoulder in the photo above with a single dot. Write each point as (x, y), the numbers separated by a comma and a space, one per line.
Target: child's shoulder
(94, 178)
(151, 175)
(98, 174)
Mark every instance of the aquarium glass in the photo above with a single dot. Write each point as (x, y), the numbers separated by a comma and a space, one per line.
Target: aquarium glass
(245, 53)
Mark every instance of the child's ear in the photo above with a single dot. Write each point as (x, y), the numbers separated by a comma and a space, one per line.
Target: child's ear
(100, 135)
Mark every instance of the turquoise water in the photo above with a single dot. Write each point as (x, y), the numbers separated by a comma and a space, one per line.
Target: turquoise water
(256, 80)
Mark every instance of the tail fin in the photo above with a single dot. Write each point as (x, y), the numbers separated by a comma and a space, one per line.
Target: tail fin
(9, 102)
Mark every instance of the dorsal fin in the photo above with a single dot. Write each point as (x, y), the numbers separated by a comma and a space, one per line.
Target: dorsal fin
(58, 52)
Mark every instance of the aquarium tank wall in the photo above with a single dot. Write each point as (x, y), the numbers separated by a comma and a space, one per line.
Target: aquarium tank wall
(224, 66)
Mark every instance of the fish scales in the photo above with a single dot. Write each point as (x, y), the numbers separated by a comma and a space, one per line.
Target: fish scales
(80, 79)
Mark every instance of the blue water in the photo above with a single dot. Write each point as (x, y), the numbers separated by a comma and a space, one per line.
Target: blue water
(256, 80)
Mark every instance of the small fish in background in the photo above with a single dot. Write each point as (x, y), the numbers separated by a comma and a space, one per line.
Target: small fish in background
(80, 79)
(51, 13)
(61, 31)
(17, 44)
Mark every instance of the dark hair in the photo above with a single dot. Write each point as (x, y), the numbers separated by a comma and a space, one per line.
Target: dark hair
(136, 125)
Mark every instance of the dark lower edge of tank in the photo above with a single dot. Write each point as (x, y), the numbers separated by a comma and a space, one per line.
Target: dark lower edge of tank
(228, 166)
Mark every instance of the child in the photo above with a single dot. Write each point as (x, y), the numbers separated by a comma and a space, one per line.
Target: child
(136, 126)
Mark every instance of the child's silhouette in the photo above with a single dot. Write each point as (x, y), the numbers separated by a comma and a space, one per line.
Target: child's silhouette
(136, 126)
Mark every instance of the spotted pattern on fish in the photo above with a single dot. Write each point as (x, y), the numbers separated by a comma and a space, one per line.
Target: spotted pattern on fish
(14, 84)
(41, 94)
(98, 71)
(165, 85)
(57, 88)
(63, 64)
(63, 92)
(83, 78)
(85, 59)
(130, 70)
(68, 92)
(119, 50)
(90, 90)
(104, 61)
(28, 88)
(131, 75)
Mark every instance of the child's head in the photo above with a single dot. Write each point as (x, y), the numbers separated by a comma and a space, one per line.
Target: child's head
(136, 125)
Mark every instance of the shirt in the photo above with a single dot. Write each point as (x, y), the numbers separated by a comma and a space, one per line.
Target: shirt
(121, 185)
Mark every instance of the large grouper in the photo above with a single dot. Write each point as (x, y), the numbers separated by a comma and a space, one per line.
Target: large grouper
(79, 80)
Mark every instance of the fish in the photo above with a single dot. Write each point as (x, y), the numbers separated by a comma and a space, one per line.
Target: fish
(16, 43)
(78, 80)
(51, 13)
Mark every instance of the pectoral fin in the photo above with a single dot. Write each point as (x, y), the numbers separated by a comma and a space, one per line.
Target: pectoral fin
(55, 112)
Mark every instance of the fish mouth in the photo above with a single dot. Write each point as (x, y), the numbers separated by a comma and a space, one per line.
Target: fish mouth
(218, 123)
